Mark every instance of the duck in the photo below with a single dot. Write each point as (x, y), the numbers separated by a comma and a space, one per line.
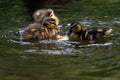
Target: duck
(76, 31)
(47, 29)
(40, 14)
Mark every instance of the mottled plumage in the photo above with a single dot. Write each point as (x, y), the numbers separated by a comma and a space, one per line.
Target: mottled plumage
(76, 31)
(39, 31)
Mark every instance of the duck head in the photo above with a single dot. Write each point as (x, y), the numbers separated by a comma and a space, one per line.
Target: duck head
(75, 29)
(49, 23)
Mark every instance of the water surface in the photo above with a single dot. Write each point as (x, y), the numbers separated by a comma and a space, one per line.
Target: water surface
(62, 59)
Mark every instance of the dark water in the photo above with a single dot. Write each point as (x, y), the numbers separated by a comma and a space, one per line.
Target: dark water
(63, 59)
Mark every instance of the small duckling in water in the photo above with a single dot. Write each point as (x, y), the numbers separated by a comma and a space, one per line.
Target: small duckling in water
(39, 31)
(39, 15)
(77, 32)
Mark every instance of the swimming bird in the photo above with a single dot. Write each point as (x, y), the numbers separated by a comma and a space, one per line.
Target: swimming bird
(47, 29)
(76, 31)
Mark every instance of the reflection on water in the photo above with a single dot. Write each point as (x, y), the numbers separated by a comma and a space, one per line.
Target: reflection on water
(59, 47)
(62, 51)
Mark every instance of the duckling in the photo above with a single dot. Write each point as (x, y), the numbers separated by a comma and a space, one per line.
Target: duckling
(76, 31)
(40, 31)
(39, 15)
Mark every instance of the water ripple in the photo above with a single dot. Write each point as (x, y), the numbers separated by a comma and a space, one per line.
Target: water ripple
(63, 51)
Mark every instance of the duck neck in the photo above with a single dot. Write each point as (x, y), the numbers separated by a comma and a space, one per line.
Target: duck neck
(79, 33)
